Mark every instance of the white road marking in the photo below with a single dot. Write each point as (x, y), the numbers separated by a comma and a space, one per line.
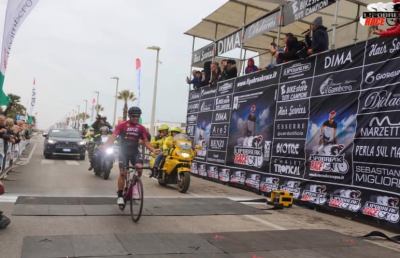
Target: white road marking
(72, 163)
(269, 224)
(24, 161)
(8, 198)
(47, 162)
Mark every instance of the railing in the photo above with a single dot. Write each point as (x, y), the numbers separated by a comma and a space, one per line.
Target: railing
(9, 154)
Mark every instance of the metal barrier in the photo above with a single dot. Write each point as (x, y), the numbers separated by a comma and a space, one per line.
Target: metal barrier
(9, 154)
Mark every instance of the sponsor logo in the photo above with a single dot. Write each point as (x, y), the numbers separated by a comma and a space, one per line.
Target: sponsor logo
(206, 92)
(212, 172)
(316, 194)
(248, 156)
(382, 49)
(194, 95)
(261, 78)
(206, 106)
(217, 144)
(287, 169)
(372, 78)
(221, 116)
(380, 128)
(202, 170)
(229, 43)
(219, 130)
(223, 103)
(238, 177)
(381, 99)
(384, 208)
(294, 91)
(380, 13)
(347, 200)
(253, 181)
(192, 119)
(337, 59)
(329, 163)
(225, 87)
(292, 110)
(269, 184)
(224, 175)
(292, 187)
(330, 87)
(287, 148)
(297, 68)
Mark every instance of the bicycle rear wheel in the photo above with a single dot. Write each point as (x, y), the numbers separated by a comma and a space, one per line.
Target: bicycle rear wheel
(136, 202)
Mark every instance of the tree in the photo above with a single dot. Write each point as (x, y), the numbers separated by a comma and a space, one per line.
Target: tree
(83, 116)
(14, 107)
(126, 95)
(98, 108)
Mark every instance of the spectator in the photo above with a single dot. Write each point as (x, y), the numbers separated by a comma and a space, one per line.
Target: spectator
(393, 31)
(320, 39)
(206, 74)
(251, 67)
(230, 71)
(196, 80)
(215, 74)
(292, 47)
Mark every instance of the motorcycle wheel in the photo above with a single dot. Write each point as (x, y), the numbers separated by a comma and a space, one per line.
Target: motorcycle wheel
(106, 174)
(161, 180)
(183, 182)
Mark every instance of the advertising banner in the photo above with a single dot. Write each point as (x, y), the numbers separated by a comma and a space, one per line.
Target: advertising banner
(326, 129)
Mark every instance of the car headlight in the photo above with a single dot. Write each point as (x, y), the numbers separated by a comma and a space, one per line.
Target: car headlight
(82, 143)
(51, 141)
(109, 151)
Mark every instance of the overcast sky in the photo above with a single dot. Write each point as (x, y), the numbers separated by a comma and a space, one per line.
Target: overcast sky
(73, 47)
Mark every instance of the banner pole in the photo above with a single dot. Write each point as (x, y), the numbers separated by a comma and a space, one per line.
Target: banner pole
(335, 25)
(242, 37)
(279, 26)
(358, 17)
(191, 62)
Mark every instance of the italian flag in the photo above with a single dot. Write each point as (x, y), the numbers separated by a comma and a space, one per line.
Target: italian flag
(17, 11)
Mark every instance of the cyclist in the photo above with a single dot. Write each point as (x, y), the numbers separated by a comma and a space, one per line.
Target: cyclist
(129, 132)
(167, 145)
(157, 142)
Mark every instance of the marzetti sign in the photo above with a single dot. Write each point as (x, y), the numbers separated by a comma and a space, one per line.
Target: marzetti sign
(228, 43)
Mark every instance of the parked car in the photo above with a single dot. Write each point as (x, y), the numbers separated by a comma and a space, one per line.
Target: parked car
(64, 142)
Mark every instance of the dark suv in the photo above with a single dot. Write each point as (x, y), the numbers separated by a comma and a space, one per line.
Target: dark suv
(64, 142)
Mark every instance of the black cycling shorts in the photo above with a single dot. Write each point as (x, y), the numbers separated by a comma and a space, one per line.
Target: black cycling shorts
(129, 158)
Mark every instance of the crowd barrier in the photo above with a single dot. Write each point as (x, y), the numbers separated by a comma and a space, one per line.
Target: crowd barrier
(9, 154)
(325, 128)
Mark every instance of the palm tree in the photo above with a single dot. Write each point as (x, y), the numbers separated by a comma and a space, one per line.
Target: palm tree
(126, 95)
(98, 108)
(14, 107)
(83, 116)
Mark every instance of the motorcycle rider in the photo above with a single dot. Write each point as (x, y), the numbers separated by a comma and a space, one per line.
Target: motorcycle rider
(130, 132)
(166, 147)
(101, 121)
(157, 142)
(104, 130)
(328, 131)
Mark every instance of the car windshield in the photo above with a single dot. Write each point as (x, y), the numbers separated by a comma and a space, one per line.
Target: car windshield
(64, 133)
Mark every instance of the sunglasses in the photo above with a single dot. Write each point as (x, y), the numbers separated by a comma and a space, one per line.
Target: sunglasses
(133, 116)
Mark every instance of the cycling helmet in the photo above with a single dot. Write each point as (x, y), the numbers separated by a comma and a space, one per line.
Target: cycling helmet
(175, 130)
(163, 127)
(134, 111)
(104, 129)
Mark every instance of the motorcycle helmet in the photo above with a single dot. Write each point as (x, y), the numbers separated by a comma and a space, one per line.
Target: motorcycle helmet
(175, 130)
(163, 127)
(134, 111)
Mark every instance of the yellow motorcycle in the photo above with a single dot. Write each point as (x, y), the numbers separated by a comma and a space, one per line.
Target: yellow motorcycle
(176, 168)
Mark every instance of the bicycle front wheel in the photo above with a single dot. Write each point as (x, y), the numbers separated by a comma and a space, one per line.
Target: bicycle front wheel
(136, 202)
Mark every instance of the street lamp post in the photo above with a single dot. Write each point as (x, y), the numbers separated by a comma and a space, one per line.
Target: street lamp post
(153, 109)
(116, 95)
(97, 101)
(79, 110)
(86, 102)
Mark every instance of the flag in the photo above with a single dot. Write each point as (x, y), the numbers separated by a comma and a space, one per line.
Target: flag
(138, 73)
(17, 11)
